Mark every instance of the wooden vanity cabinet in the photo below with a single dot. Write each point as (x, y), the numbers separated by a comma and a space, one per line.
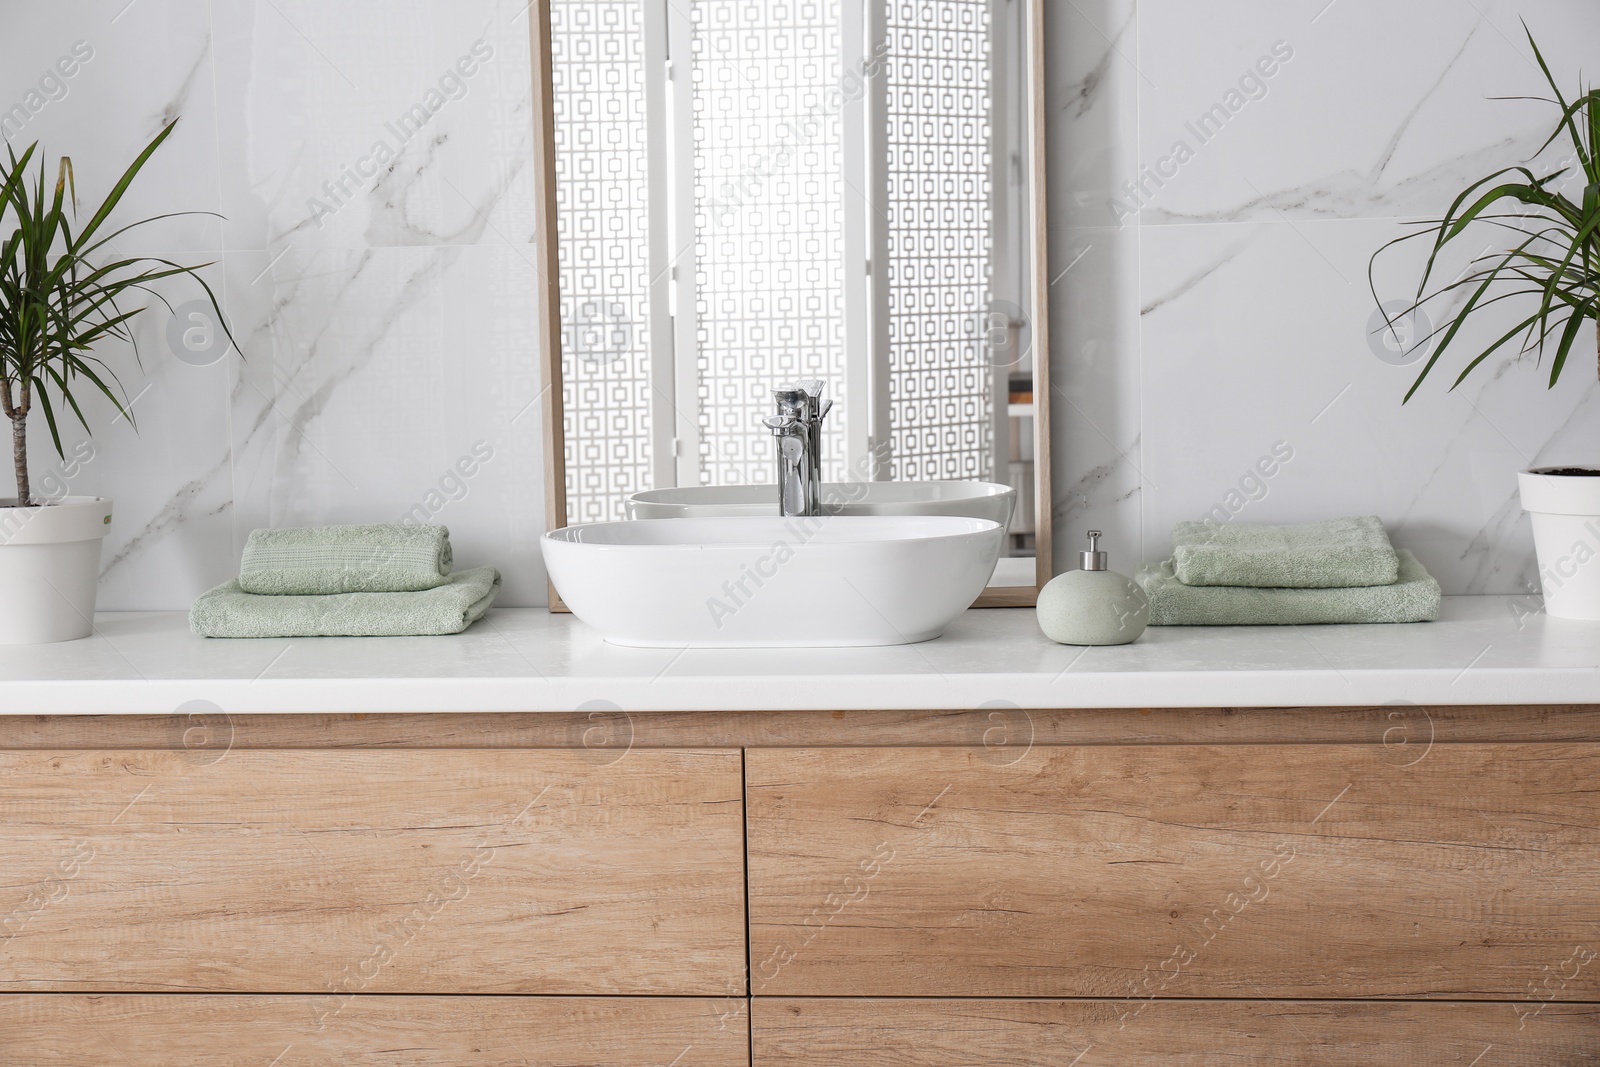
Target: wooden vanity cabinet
(911, 889)
(338, 872)
(1175, 905)
(1137, 871)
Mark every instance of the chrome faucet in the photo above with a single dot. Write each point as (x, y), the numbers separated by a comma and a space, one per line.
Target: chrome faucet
(798, 429)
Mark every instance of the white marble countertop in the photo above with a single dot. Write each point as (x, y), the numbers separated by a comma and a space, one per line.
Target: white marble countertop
(1483, 650)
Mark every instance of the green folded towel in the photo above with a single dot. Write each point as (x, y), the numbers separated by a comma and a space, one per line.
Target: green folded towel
(385, 557)
(228, 611)
(1414, 598)
(1310, 555)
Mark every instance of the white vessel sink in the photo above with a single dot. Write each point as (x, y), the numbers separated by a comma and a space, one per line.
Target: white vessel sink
(772, 582)
(978, 500)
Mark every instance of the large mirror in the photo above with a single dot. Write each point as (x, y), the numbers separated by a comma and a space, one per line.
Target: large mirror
(740, 195)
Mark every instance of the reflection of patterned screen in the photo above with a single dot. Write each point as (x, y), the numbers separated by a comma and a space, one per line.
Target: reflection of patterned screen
(768, 240)
(597, 48)
(755, 126)
(938, 137)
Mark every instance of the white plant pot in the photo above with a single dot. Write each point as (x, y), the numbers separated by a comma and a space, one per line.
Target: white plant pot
(1565, 509)
(49, 566)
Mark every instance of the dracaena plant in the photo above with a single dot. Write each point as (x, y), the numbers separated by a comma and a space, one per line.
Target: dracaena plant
(64, 291)
(1551, 269)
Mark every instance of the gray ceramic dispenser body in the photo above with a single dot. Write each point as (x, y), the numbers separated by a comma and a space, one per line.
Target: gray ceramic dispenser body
(1093, 605)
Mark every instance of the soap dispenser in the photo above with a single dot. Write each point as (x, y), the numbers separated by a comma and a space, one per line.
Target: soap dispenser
(1093, 605)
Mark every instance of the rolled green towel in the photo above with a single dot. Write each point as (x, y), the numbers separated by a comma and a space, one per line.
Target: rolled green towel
(1308, 555)
(228, 611)
(1414, 598)
(385, 557)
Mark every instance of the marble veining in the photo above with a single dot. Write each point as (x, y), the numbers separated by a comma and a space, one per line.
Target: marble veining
(1083, 94)
(1084, 492)
(1351, 193)
(1222, 259)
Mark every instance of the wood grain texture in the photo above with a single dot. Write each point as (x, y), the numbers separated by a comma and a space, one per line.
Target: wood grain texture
(363, 872)
(70, 1030)
(1393, 726)
(1195, 871)
(1181, 1033)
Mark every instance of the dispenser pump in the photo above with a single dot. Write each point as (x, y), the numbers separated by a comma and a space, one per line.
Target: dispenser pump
(1094, 559)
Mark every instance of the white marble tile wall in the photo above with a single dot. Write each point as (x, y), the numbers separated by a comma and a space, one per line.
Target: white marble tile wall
(378, 273)
(1221, 311)
(380, 278)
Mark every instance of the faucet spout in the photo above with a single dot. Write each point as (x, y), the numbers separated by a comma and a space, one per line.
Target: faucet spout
(797, 428)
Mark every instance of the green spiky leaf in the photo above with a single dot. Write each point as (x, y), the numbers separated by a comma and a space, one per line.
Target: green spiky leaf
(1557, 258)
(61, 288)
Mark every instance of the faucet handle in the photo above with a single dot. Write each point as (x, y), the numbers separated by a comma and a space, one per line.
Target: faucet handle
(783, 425)
(812, 387)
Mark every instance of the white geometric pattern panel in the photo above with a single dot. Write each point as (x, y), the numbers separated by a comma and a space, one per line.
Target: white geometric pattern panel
(937, 73)
(768, 232)
(602, 170)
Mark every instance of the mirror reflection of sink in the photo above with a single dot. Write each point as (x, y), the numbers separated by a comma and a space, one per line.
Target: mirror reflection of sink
(978, 500)
(773, 582)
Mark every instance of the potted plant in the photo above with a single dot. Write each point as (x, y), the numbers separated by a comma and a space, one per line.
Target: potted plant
(1552, 268)
(64, 289)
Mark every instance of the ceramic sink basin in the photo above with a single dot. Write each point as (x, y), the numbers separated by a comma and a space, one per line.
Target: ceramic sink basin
(772, 582)
(978, 500)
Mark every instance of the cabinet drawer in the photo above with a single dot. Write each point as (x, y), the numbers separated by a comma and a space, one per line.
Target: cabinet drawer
(130, 1030)
(1318, 871)
(343, 872)
(1180, 1033)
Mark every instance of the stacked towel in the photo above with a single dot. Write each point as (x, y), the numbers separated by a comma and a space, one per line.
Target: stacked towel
(1335, 554)
(394, 557)
(1340, 571)
(384, 580)
(228, 611)
(1414, 597)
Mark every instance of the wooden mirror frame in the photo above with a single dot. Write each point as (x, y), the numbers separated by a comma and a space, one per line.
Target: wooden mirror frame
(549, 300)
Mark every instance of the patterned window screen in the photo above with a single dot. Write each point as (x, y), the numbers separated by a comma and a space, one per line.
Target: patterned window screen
(602, 170)
(768, 234)
(756, 132)
(938, 132)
